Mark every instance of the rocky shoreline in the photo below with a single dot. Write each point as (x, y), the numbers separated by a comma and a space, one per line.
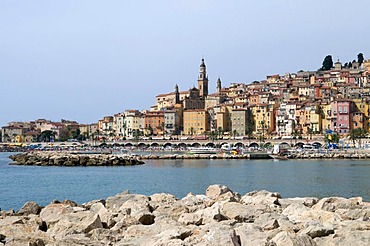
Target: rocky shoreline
(263, 155)
(65, 158)
(70, 159)
(220, 217)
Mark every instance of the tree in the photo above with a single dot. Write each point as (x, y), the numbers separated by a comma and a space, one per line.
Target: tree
(64, 134)
(360, 58)
(192, 131)
(332, 138)
(213, 135)
(249, 129)
(136, 134)
(327, 64)
(46, 136)
(235, 133)
(6, 137)
(355, 134)
(220, 132)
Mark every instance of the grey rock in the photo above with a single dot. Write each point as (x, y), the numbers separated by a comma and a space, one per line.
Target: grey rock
(30, 207)
(290, 239)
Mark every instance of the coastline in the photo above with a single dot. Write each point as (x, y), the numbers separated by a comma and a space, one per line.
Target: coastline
(218, 217)
(107, 158)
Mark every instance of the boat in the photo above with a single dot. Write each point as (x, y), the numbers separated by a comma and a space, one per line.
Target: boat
(277, 154)
(279, 157)
(203, 150)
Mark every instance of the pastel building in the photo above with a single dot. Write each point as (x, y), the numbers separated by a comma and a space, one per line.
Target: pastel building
(341, 116)
(196, 122)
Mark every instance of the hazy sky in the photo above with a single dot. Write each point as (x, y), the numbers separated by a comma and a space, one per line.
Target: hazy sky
(85, 59)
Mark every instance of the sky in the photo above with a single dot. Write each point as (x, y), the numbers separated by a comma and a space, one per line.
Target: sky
(85, 59)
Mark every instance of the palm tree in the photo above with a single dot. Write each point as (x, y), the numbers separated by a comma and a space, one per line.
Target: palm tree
(220, 132)
(192, 131)
(213, 135)
(332, 138)
(355, 134)
(14, 137)
(137, 134)
(6, 137)
(249, 130)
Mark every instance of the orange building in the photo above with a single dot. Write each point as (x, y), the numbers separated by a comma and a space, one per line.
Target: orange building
(154, 122)
(196, 122)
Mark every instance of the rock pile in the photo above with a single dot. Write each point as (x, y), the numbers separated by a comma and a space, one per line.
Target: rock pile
(333, 155)
(68, 159)
(220, 217)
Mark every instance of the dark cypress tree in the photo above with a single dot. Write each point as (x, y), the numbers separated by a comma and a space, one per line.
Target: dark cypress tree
(360, 58)
(327, 64)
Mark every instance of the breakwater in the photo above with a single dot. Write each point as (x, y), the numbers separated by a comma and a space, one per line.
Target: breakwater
(185, 156)
(218, 217)
(73, 159)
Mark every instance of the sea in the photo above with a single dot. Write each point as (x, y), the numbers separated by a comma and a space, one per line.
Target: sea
(292, 178)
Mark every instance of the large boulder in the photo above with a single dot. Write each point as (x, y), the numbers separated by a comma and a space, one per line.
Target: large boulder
(211, 214)
(106, 216)
(307, 201)
(21, 230)
(250, 234)
(214, 191)
(241, 212)
(291, 239)
(333, 203)
(195, 202)
(55, 212)
(261, 198)
(30, 207)
(191, 219)
(220, 234)
(317, 231)
(75, 223)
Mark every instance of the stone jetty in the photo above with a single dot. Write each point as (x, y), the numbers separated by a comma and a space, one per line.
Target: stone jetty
(71, 159)
(219, 217)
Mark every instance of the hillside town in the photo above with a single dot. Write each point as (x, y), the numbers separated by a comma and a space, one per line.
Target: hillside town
(334, 99)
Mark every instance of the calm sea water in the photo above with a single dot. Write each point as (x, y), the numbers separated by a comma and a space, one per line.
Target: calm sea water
(320, 178)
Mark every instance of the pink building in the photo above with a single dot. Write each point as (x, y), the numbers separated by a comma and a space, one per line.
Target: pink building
(341, 111)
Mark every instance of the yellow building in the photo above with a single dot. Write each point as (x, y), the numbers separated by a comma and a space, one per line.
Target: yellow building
(363, 106)
(315, 115)
(196, 122)
(263, 118)
(326, 118)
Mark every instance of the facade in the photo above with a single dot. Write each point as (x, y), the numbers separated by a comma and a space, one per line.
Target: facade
(239, 121)
(119, 125)
(196, 122)
(341, 116)
(106, 127)
(154, 122)
(173, 122)
(132, 123)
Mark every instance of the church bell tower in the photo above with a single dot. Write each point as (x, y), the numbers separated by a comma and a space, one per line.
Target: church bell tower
(203, 80)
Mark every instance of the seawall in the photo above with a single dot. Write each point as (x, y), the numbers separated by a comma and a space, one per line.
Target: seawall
(218, 217)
